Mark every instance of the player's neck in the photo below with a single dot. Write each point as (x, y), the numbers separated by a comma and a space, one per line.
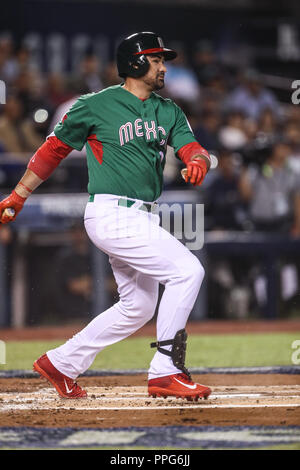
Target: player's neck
(137, 88)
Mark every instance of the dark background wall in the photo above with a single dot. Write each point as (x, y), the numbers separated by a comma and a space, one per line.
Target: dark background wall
(251, 23)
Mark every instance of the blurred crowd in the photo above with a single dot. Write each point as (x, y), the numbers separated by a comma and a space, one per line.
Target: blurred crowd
(231, 111)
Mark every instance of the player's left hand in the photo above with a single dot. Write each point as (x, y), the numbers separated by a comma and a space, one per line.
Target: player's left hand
(196, 171)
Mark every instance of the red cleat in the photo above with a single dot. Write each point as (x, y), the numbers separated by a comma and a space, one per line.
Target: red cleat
(66, 387)
(177, 385)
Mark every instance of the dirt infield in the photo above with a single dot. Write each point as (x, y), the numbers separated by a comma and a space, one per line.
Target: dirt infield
(247, 408)
(117, 401)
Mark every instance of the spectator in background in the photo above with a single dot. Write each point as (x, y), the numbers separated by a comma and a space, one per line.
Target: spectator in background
(211, 75)
(273, 193)
(21, 63)
(89, 73)
(181, 81)
(2, 150)
(5, 235)
(73, 177)
(228, 280)
(29, 88)
(223, 203)
(76, 89)
(56, 90)
(110, 75)
(267, 124)
(17, 133)
(251, 98)
(19, 75)
(8, 66)
(233, 134)
(291, 133)
(205, 61)
(261, 137)
(206, 130)
(293, 114)
(13, 62)
(74, 276)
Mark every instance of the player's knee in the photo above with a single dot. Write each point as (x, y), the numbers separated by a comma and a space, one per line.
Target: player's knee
(148, 304)
(149, 310)
(196, 271)
(192, 270)
(142, 306)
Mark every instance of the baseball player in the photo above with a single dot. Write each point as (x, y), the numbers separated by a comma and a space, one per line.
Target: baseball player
(126, 129)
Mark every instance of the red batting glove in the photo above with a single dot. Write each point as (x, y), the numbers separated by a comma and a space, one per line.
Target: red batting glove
(13, 201)
(196, 171)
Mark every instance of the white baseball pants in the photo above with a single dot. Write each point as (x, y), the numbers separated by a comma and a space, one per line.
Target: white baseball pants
(142, 255)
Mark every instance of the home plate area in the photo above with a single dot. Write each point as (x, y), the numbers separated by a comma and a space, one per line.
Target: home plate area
(136, 398)
(244, 410)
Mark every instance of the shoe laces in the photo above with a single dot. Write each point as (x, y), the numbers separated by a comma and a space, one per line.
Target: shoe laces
(76, 389)
(185, 378)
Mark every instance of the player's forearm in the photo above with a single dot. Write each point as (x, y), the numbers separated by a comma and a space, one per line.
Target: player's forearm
(48, 157)
(28, 183)
(40, 167)
(42, 164)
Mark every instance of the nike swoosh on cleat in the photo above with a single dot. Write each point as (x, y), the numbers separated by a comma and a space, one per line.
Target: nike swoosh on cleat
(67, 388)
(192, 387)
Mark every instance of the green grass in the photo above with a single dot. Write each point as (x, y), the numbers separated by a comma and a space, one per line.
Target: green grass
(272, 349)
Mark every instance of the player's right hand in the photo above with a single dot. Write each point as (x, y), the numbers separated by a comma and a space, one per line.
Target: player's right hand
(196, 171)
(13, 201)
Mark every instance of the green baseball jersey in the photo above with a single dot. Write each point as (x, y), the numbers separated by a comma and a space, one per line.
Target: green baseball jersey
(126, 140)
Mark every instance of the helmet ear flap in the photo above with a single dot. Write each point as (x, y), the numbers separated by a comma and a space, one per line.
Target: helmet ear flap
(139, 66)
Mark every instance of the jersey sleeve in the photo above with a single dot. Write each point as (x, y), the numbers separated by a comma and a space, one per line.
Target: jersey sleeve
(181, 133)
(76, 125)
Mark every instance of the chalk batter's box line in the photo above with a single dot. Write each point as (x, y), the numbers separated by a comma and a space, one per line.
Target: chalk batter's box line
(140, 397)
(290, 370)
(134, 408)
